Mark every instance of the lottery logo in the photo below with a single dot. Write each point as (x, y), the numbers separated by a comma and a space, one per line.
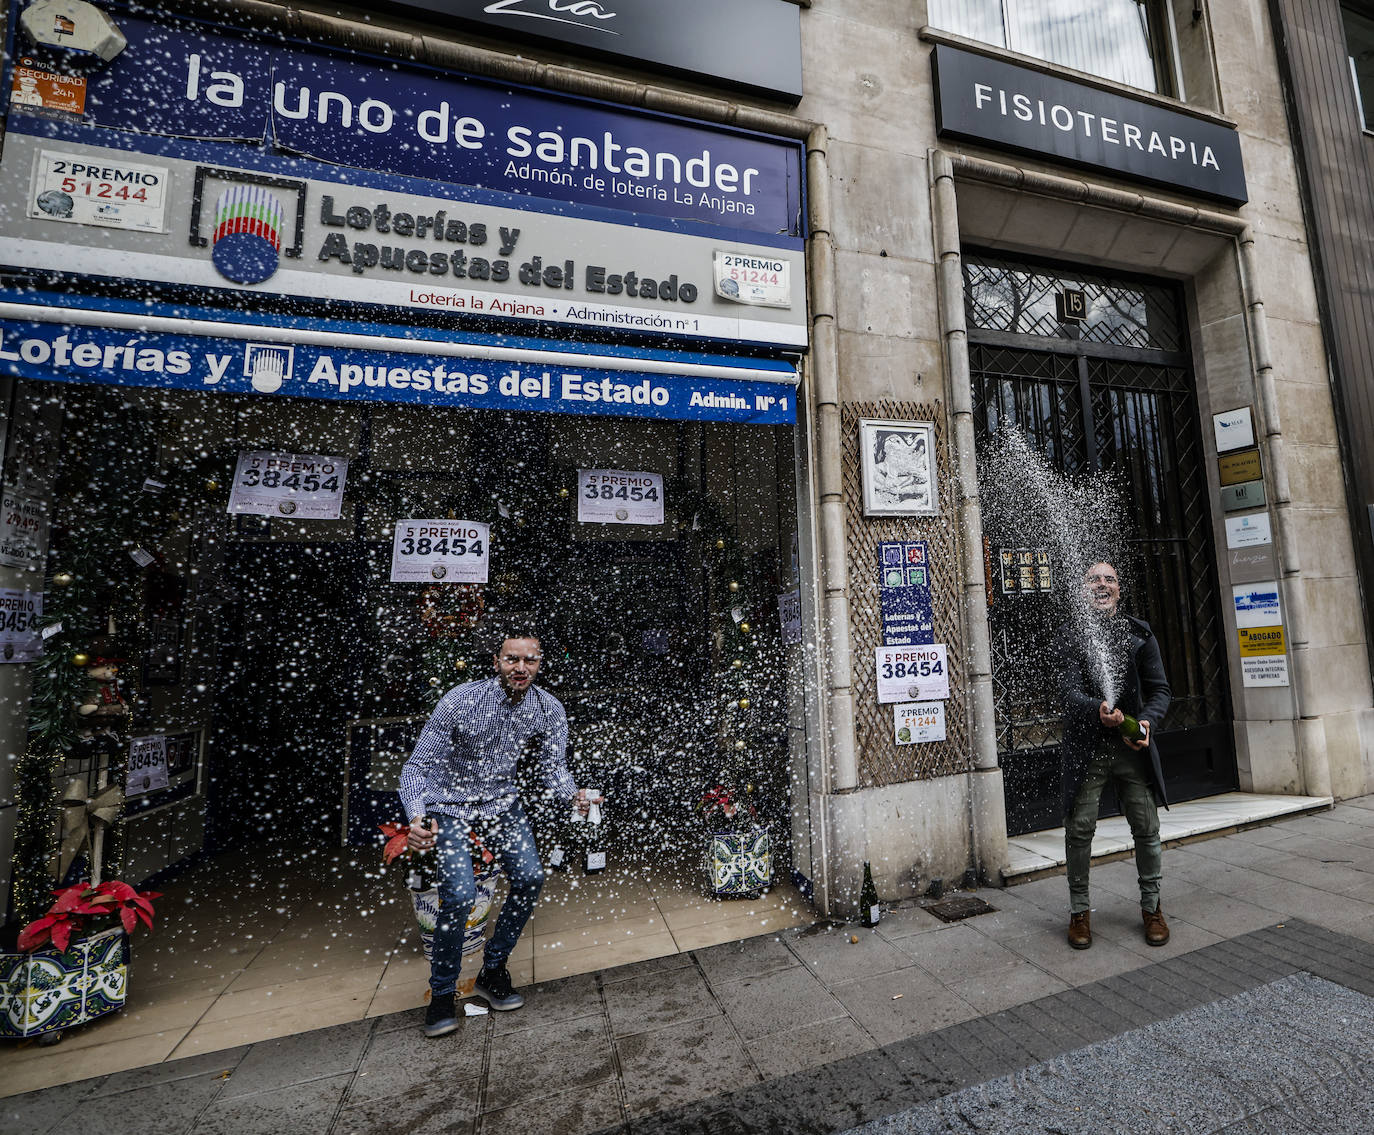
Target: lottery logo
(286, 508)
(914, 693)
(622, 514)
(268, 365)
(245, 244)
(438, 571)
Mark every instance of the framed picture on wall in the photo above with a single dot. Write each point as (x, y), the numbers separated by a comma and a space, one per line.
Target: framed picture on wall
(898, 467)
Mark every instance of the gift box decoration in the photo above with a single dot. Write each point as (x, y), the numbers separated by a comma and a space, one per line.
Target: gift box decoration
(740, 863)
(51, 989)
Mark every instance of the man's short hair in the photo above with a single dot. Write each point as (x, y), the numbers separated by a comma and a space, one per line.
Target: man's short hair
(506, 636)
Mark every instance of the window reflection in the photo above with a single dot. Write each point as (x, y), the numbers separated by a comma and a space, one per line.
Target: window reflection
(1359, 46)
(1120, 40)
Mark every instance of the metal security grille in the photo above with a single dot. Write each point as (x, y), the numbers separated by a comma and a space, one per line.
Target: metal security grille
(1113, 392)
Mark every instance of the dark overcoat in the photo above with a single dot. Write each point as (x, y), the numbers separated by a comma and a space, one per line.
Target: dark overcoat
(1145, 694)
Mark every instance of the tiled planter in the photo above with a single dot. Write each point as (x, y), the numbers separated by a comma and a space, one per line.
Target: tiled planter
(50, 990)
(426, 906)
(740, 863)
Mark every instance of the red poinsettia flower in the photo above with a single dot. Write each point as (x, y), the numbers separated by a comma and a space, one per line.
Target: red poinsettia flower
(67, 916)
(396, 837)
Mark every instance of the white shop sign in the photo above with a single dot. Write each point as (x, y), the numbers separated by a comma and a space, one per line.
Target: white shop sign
(303, 486)
(1264, 670)
(23, 530)
(1248, 531)
(147, 765)
(440, 551)
(1257, 604)
(1234, 429)
(617, 496)
(105, 191)
(912, 673)
(915, 723)
(19, 615)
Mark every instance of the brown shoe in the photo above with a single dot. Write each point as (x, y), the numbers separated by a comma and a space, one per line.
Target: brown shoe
(1156, 929)
(1081, 931)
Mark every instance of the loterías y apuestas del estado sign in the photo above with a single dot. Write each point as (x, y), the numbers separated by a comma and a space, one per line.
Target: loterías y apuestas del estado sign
(996, 103)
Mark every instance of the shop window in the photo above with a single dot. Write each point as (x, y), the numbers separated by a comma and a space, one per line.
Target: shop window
(1359, 46)
(1121, 40)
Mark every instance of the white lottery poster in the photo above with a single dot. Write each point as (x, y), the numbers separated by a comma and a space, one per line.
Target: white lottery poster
(303, 486)
(19, 615)
(147, 765)
(615, 496)
(915, 723)
(790, 616)
(912, 673)
(440, 551)
(23, 530)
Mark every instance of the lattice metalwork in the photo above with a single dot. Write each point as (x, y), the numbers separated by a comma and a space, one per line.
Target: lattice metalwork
(881, 759)
(1019, 298)
(1141, 422)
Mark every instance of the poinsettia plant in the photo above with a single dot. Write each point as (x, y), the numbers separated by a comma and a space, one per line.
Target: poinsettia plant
(721, 803)
(397, 845)
(68, 916)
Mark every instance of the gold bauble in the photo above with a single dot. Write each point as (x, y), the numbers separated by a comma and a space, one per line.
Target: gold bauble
(434, 681)
(738, 664)
(211, 485)
(80, 659)
(749, 790)
(734, 585)
(63, 579)
(720, 545)
(563, 494)
(744, 628)
(460, 664)
(744, 703)
(739, 746)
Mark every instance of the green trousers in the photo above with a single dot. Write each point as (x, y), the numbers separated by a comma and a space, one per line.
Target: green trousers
(1126, 769)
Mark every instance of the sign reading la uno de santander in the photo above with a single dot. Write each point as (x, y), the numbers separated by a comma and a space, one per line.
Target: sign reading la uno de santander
(182, 81)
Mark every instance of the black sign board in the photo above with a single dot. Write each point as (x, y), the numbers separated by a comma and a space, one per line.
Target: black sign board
(751, 44)
(998, 103)
(1071, 305)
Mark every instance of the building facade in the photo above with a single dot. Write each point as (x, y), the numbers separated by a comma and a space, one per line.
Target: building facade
(795, 277)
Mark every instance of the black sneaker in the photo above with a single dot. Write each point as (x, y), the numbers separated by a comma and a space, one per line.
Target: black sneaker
(495, 986)
(441, 1017)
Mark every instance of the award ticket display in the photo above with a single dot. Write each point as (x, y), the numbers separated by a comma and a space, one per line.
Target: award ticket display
(23, 530)
(147, 765)
(20, 611)
(915, 723)
(439, 551)
(299, 485)
(615, 496)
(912, 673)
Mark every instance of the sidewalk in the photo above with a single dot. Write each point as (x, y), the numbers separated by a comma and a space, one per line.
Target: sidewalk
(810, 1031)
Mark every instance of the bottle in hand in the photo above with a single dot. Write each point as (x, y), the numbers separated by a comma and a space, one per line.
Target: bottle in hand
(1131, 729)
(421, 877)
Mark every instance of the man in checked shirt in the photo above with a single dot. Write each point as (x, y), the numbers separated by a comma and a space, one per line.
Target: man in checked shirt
(462, 774)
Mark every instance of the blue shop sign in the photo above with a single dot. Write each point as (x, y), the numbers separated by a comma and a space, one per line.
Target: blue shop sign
(904, 589)
(447, 371)
(182, 80)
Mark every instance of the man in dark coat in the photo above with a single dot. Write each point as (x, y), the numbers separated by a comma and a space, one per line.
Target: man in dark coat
(1111, 667)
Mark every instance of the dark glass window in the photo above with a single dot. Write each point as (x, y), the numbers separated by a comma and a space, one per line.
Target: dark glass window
(1359, 47)
(1122, 40)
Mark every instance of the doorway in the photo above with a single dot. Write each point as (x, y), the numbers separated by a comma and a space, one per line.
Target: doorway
(1110, 391)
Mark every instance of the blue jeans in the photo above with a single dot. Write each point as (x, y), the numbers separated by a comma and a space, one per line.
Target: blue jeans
(509, 838)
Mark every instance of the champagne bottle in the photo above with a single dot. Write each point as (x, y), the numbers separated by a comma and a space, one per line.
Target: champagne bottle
(1131, 729)
(420, 877)
(596, 836)
(869, 909)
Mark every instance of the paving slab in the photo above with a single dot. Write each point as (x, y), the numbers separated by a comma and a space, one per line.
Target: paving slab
(442, 1106)
(299, 1058)
(654, 1000)
(298, 1107)
(681, 1064)
(776, 1002)
(751, 957)
(534, 1063)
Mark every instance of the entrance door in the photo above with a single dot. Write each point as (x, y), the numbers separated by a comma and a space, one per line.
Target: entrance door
(1112, 392)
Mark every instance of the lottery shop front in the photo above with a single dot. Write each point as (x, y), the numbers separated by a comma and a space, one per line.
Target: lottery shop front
(316, 391)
